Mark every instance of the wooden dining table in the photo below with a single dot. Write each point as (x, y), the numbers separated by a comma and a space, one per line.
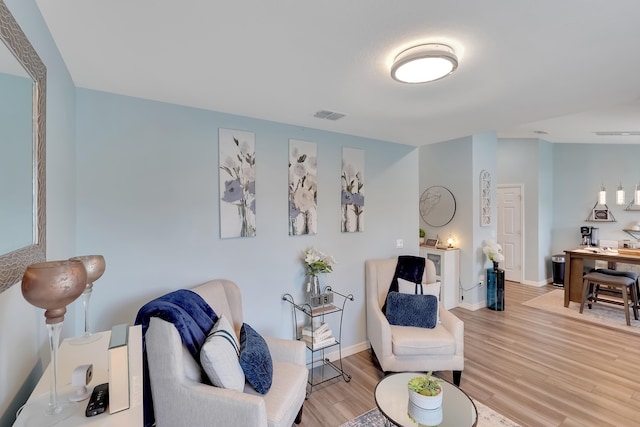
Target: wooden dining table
(575, 268)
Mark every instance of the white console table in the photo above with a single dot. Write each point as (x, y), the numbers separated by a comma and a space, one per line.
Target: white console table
(72, 355)
(447, 262)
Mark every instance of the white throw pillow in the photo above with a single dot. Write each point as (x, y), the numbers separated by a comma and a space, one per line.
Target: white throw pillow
(407, 287)
(219, 356)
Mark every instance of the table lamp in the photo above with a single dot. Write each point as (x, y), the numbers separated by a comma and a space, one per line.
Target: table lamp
(52, 286)
(95, 266)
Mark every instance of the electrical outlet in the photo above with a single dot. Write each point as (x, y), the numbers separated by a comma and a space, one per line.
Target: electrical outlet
(481, 281)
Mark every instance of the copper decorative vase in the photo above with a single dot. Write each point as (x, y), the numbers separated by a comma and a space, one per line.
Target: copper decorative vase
(95, 266)
(52, 286)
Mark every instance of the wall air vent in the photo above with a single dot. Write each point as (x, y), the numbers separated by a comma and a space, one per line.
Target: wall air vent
(619, 133)
(329, 115)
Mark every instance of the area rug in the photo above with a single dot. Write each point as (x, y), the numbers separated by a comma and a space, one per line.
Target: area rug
(600, 314)
(487, 417)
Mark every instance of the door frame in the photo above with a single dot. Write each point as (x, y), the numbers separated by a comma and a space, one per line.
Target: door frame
(522, 224)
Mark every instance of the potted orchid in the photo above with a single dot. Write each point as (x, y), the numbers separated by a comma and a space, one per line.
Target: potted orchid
(315, 262)
(493, 251)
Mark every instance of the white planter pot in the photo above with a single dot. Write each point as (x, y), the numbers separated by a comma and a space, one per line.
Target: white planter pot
(425, 417)
(426, 402)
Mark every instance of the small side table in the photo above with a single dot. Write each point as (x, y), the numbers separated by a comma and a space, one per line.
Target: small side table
(321, 369)
(72, 355)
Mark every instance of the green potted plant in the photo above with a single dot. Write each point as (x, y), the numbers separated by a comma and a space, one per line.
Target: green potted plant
(425, 391)
(422, 234)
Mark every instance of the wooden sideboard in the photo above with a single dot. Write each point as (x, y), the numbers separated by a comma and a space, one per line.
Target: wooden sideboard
(574, 269)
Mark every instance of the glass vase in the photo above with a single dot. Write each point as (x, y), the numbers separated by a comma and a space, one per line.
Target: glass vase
(312, 290)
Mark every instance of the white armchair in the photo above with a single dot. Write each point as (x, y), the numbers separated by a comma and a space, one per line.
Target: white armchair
(179, 398)
(409, 348)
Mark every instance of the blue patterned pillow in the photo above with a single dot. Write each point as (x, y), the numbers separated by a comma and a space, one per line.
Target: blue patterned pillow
(412, 310)
(255, 359)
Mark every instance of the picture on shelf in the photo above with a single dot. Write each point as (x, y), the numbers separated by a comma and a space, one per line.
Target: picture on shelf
(601, 215)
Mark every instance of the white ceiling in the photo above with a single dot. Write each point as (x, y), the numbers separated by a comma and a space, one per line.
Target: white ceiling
(569, 68)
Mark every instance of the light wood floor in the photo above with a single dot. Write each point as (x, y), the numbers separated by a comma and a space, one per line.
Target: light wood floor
(535, 367)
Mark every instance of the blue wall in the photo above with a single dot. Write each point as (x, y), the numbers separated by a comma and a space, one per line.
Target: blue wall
(457, 164)
(529, 163)
(147, 191)
(580, 170)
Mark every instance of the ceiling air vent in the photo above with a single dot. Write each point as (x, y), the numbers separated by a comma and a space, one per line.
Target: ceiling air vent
(619, 133)
(329, 115)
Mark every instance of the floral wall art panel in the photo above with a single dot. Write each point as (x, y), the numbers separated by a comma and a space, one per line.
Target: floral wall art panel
(237, 183)
(303, 188)
(352, 183)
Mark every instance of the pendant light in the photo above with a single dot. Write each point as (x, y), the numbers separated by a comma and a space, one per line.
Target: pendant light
(620, 195)
(602, 196)
(636, 199)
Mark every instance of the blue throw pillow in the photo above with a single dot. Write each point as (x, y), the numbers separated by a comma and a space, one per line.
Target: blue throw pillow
(412, 310)
(255, 359)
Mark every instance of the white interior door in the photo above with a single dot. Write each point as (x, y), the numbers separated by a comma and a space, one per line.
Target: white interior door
(510, 230)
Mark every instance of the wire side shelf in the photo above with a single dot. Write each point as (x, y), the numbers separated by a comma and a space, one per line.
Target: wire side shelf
(321, 368)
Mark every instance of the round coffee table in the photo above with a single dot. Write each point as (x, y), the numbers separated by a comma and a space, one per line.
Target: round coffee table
(392, 398)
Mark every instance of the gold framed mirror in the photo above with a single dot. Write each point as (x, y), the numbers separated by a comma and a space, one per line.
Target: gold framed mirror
(14, 261)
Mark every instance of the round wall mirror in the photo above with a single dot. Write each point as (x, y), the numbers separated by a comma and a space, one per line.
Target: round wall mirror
(437, 206)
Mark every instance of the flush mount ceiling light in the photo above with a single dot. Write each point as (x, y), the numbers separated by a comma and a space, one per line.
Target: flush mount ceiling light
(424, 63)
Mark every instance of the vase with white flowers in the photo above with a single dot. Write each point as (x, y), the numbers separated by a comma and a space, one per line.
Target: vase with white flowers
(493, 251)
(315, 262)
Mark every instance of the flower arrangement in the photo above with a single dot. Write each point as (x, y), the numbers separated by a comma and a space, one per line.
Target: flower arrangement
(493, 251)
(317, 262)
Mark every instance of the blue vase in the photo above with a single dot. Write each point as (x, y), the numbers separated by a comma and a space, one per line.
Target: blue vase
(495, 288)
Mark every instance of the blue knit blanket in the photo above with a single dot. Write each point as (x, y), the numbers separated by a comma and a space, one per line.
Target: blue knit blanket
(192, 317)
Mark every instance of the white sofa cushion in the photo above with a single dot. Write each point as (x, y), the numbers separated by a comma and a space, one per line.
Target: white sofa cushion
(412, 341)
(289, 380)
(219, 356)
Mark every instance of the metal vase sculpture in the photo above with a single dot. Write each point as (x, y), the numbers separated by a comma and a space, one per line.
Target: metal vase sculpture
(52, 286)
(95, 266)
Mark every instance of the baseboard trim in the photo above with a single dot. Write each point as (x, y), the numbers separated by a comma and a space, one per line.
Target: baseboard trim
(537, 284)
(473, 307)
(348, 351)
